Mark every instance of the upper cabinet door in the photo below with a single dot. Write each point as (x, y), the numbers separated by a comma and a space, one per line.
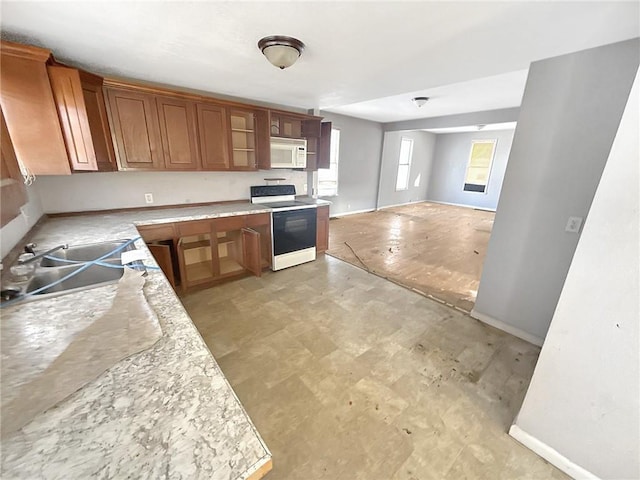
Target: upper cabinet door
(285, 126)
(311, 128)
(67, 92)
(98, 121)
(263, 140)
(135, 130)
(12, 190)
(30, 111)
(213, 133)
(178, 131)
(324, 146)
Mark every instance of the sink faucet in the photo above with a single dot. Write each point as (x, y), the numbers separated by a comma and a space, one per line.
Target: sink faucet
(29, 248)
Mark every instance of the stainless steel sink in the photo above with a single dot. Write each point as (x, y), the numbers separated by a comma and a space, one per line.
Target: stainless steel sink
(85, 253)
(92, 276)
(63, 263)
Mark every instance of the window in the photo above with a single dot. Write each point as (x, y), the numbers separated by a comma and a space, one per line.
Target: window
(328, 177)
(404, 164)
(479, 167)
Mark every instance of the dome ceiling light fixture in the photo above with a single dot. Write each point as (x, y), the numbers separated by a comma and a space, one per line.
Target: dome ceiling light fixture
(281, 51)
(420, 101)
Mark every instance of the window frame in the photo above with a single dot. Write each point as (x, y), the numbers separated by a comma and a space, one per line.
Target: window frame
(408, 164)
(335, 148)
(494, 142)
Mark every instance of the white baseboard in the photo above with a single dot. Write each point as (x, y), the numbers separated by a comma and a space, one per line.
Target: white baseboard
(401, 204)
(463, 205)
(551, 455)
(505, 327)
(338, 215)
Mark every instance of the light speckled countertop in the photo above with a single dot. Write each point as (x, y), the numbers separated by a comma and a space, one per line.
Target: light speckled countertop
(165, 412)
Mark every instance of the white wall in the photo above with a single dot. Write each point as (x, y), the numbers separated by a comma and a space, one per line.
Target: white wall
(103, 191)
(450, 166)
(423, 150)
(584, 397)
(569, 115)
(359, 163)
(13, 231)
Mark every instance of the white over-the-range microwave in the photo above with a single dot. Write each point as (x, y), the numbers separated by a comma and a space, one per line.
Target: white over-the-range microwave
(288, 152)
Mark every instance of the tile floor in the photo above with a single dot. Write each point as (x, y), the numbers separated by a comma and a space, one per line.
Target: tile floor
(349, 376)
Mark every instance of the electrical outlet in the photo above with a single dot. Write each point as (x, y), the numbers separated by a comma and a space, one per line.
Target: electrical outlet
(148, 197)
(573, 225)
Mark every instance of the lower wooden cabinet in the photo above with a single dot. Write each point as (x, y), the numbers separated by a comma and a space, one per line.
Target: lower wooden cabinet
(322, 229)
(210, 251)
(163, 252)
(261, 223)
(204, 252)
(160, 240)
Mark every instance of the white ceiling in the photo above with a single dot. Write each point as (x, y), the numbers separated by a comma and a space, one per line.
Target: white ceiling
(474, 128)
(362, 59)
(489, 93)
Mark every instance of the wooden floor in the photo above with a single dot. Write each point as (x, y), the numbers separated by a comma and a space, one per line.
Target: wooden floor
(435, 249)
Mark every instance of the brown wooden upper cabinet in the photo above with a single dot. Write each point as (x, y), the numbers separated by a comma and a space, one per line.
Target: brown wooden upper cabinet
(82, 114)
(243, 126)
(136, 133)
(214, 136)
(160, 129)
(283, 125)
(178, 133)
(30, 110)
(13, 193)
(324, 146)
(98, 121)
(311, 128)
(263, 140)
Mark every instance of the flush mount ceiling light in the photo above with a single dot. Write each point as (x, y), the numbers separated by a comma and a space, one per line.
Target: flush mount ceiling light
(420, 101)
(281, 51)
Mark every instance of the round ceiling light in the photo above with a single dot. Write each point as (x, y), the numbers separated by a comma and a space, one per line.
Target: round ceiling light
(281, 51)
(420, 101)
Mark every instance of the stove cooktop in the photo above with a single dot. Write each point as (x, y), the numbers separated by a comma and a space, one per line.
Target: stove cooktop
(289, 204)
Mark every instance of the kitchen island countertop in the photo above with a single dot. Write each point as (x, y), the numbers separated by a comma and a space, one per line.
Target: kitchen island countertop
(165, 412)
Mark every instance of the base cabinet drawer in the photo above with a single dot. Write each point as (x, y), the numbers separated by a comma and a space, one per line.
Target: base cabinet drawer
(198, 227)
(152, 233)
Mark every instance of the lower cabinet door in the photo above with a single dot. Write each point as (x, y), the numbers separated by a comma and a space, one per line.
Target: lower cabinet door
(322, 230)
(251, 251)
(162, 254)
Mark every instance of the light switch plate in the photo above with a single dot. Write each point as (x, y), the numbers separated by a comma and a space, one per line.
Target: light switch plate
(148, 197)
(573, 225)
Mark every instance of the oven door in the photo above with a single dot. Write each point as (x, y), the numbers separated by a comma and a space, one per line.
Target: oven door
(294, 230)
